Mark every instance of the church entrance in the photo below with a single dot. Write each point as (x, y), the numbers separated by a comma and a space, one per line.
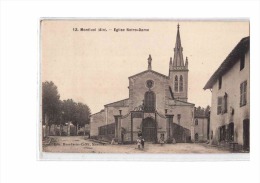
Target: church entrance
(149, 129)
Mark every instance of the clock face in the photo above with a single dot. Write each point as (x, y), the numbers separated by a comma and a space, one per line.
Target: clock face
(149, 83)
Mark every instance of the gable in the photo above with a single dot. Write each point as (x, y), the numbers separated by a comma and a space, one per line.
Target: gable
(149, 71)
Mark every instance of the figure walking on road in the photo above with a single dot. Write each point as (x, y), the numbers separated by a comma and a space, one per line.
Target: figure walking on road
(138, 143)
(142, 142)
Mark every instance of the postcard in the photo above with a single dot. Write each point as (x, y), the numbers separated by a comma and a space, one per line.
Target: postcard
(147, 86)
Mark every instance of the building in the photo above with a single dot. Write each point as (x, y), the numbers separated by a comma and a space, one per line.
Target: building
(201, 128)
(157, 106)
(230, 105)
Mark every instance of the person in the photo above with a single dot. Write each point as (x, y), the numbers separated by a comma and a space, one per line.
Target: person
(113, 141)
(173, 141)
(139, 133)
(138, 142)
(142, 142)
(162, 139)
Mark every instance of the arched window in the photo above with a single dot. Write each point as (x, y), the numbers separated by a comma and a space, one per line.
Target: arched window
(176, 87)
(181, 83)
(196, 121)
(149, 101)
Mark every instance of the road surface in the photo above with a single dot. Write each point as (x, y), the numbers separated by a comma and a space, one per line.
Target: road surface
(77, 144)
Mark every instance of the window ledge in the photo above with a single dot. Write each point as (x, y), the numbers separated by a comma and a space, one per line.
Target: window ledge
(242, 105)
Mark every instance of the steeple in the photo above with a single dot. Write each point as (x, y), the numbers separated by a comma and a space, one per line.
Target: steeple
(178, 71)
(178, 56)
(149, 62)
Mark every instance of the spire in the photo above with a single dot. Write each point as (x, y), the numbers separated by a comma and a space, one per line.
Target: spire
(149, 62)
(178, 56)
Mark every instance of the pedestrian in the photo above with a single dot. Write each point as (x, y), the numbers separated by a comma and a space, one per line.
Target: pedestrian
(139, 134)
(113, 141)
(162, 139)
(142, 142)
(138, 142)
(173, 141)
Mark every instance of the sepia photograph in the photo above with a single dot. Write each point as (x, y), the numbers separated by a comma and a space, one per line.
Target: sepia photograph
(156, 86)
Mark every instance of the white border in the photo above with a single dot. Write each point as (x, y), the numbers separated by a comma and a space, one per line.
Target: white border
(126, 157)
(145, 157)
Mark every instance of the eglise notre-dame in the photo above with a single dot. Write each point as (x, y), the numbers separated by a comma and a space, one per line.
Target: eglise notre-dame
(157, 106)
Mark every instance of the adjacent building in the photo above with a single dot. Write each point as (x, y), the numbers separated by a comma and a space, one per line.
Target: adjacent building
(230, 104)
(157, 106)
(201, 128)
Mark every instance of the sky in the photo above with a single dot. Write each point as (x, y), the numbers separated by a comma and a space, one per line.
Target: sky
(93, 66)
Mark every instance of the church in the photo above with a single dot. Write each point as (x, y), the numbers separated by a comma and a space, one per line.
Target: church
(157, 106)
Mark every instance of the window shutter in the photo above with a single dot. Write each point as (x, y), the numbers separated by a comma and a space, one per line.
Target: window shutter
(245, 88)
(219, 105)
(241, 93)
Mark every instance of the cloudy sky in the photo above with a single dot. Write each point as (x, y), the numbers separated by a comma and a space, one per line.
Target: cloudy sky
(93, 66)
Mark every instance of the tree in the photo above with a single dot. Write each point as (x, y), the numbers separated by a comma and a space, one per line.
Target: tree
(200, 111)
(207, 111)
(82, 116)
(57, 112)
(77, 113)
(51, 104)
(69, 111)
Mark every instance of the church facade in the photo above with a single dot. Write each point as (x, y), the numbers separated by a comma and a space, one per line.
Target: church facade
(157, 106)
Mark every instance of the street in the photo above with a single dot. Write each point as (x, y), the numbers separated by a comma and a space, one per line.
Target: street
(77, 144)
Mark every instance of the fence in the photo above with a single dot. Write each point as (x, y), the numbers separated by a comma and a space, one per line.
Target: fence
(107, 129)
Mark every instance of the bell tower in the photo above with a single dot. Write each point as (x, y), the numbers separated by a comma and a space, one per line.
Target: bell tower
(178, 71)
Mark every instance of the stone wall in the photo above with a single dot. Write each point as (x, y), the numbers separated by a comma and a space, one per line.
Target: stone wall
(97, 120)
(138, 88)
(186, 112)
(201, 128)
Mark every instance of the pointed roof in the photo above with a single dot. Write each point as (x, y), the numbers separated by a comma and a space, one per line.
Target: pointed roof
(151, 71)
(178, 56)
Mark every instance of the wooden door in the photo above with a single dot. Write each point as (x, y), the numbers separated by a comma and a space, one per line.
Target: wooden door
(246, 135)
(149, 130)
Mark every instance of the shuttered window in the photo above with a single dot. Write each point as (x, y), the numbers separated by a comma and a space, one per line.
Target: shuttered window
(243, 91)
(219, 105)
(225, 103)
